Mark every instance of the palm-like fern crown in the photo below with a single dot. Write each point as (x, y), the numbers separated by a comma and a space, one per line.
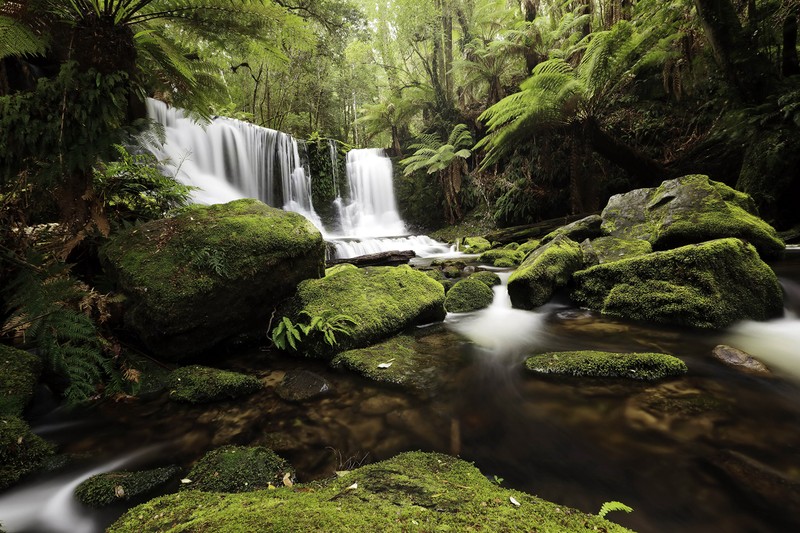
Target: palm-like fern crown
(433, 155)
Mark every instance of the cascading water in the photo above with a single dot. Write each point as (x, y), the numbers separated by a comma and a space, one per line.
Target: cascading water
(228, 159)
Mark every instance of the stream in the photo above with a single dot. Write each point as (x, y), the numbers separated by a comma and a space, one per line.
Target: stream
(716, 450)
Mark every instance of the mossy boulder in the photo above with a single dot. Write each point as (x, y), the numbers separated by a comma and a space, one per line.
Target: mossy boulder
(489, 278)
(469, 294)
(238, 469)
(202, 384)
(545, 270)
(111, 487)
(413, 491)
(21, 451)
(382, 301)
(688, 210)
(607, 249)
(595, 364)
(211, 273)
(585, 228)
(502, 257)
(529, 246)
(475, 245)
(19, 372)
(708, 285)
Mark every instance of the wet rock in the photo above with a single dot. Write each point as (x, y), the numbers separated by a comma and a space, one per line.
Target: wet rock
(766, 485)
(21, 450)
(489, 278)
(300, 385)
(740, 360)
(502, 257)
(595, 364)
(686, 210)
(708, 285)
(111, 487)
(237, 469)
(468, 295)
(543, 271)
(475, 245)
(607, 249)
(381, 403)
(199, 279)
(19, 372)
(201, 384)
(585, 228)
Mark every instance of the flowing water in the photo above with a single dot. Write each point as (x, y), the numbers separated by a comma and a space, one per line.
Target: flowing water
(716, 450)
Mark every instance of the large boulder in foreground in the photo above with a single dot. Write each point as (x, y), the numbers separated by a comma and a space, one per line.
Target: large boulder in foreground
(687, 210)
(413, 491)
(544, 271)
(200, 278)
(708, 285)
(381, 301)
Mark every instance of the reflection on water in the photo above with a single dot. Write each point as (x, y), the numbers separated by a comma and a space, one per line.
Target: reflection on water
(713, 451)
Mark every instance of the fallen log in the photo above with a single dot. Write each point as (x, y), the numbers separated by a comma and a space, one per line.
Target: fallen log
(521, 234)
(394, 257)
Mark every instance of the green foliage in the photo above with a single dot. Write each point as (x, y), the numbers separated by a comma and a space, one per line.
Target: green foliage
(607, 507)
(132, 188)
(434, 156)
(105, 489)
(52, 311)
(326, 325)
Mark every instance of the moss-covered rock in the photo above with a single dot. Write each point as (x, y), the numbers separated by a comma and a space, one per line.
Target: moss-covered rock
(413, 491)
(21, 451)
(544, 270)
(585, 228)
(475, 245)
(211, 273)
(687, 210)
(111, 487)
(238, 469)
(201, 384)
(489, 278)
(467, 295)
(502, 257)
(594, 364)
(529, 246)
(708, 285)
(19, 372)
(382, 301)
(607, 249)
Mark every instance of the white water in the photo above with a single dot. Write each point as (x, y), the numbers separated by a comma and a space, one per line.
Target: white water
(50, 506)
(229, 159)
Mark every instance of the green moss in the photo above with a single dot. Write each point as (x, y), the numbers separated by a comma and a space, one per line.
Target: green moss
(708, 285)
(607, 249)
(381, 300)
(413, 491)
(468, 295)
(237, 469)
(110, 487)
(201, 384)
(489, 278)
(475, 245)
(529, 246)
(19, 372)
(595, 364)
(451, 271)
(544, 270)
(21, 451)
(337, 268)
(511, 246)
(505, 257)
(210, 273)
(585, 228)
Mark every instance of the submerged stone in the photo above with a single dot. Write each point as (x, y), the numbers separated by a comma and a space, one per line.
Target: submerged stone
(381, 301)
(544, 270)
(202, 384)
(19, 372)
(211, 273)
(738, 359)
(687, 210)
(111, 487)
(21, 451)
(468, 295)
(238, 469)
(300, 385)
(708, 285)
(596, 364)
(412, 491)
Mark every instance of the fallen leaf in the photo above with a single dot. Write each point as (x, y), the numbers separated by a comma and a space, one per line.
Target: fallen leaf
(352, 487)
(515, 502)
(387, 364)
(119, 491)
(287, 479)
(186, 480)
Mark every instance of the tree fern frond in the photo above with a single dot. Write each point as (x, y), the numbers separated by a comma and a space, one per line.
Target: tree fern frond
(16, 39)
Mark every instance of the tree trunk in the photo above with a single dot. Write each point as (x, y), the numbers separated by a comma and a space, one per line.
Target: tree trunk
(447, 37)
(789, 62)
(645, 170)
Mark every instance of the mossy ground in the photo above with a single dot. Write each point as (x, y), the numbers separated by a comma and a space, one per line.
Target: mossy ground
(237, 469)
(21, 451)
(413, 491)
(110, 487)
(467, 295)
(201, 384)
(19, 372)
(595, 364)
(544, 270)
(381, 301)
(709, 285)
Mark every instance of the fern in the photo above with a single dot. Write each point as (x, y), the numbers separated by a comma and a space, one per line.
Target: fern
(607, 507)
(289, 335)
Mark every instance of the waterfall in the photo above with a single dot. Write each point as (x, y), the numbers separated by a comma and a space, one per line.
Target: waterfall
(228, 159)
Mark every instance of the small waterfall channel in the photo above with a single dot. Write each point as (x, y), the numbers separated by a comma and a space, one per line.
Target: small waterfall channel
(229, 159)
